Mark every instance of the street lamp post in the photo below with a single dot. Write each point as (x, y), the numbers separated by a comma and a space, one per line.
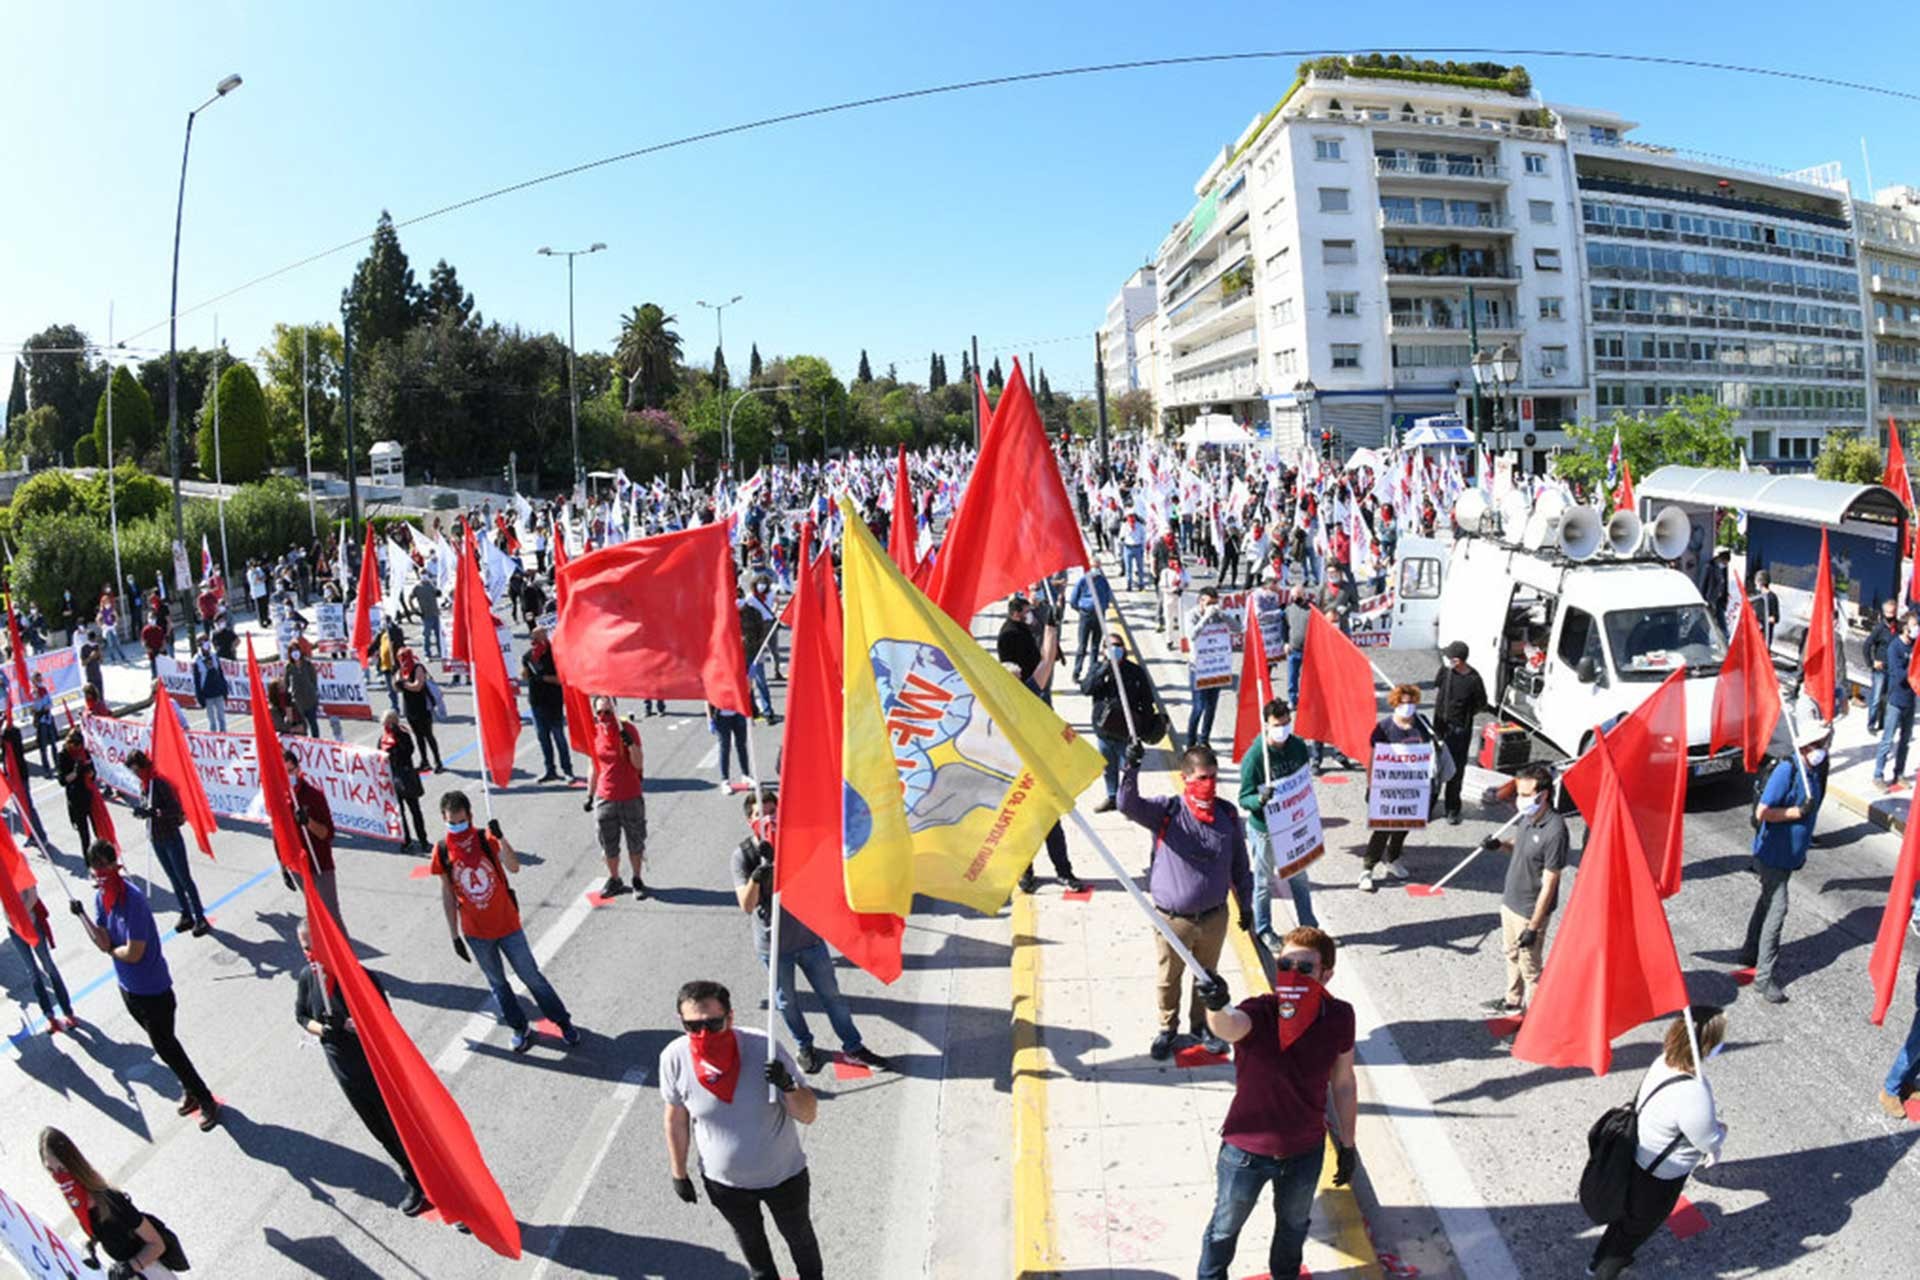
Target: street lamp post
(750, 391)
(573, 391)
(719, 310)
(220, 91)
(1303, 393)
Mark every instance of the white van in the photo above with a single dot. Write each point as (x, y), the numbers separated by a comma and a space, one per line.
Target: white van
(1610, 631)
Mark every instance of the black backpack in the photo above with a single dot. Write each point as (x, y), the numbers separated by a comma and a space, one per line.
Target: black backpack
(1612, 1145)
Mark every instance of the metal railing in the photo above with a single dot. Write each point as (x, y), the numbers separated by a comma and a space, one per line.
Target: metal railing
(1440, 167)
(1448, 221)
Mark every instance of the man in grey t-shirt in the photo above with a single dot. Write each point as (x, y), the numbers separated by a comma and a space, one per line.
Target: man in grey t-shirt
(711, 1080)
(1539, 848)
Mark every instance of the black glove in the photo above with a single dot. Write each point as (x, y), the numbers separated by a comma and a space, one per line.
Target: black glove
(460, 949)
(779, 1077)
(141, 811)
(286, 878)
(588, 806)
(1136, 752)
(300, 815)
(122, 1271)
(1212, 991)
(1529, 936)
(683, 1187)
(73, 905)
(1246, 919)
(1344, 1161)
(493, 828)
(1490, 844)
(763, 874)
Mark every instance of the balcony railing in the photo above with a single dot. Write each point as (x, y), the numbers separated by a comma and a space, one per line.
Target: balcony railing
(1241, 382)
(1451, 269)
(1424, 120)
(1888, 284)
(1418, 167)
(1203, 312)
(1239, 342)
(1887, 328)
(1427, 324)
(1448, 221)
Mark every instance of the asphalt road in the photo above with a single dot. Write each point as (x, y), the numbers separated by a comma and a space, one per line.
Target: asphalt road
(291, 1184)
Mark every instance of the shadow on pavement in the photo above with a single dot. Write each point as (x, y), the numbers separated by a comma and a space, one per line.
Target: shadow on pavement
(313, 1162)
(47, 1064)
(596, 1251)
(596, 1057)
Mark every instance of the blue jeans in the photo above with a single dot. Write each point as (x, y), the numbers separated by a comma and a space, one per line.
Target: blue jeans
(172, 850)
(217, 713)
(430, 636)
(551, 726)
(1896, 731)
(1110, 751)
(762, 696)
(1241, 1177)
(1876, 693)
(1134, 561)
(488, 954)
(39, 960)
(1263, 888)
(1295, 657)
(1906, 1064)
(1087, 644)
(817, 963)
(1200, 718)
(731, 728)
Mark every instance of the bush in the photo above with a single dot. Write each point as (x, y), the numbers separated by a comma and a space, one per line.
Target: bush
(84, 454)
(50, 493)
(137, 494)
(444, 501)
(243, 429)
(266, 518)
(58, 551)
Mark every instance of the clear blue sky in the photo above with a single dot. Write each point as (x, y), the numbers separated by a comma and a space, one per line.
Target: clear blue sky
(1013, 213)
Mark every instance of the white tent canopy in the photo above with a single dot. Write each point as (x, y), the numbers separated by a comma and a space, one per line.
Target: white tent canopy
(1215, 428)
(1445, 429)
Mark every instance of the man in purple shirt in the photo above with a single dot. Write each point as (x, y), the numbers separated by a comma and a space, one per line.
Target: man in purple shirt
(1199, 857)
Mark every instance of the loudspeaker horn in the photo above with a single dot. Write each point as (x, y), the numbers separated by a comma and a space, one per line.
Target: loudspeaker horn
(1623, 534)
(1542, 529)
(1513, 515)
(1469, 509)
(1579, 533)
(1667, 536)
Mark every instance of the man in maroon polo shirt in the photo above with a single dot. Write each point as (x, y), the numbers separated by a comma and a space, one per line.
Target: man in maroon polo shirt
(1289, 1048)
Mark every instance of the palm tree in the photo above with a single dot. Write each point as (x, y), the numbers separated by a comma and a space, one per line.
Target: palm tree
(648, 350)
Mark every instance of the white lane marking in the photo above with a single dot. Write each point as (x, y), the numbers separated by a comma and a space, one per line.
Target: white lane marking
(710, 759)
(1477, 1243)
(456, 1055)
(624, 1095)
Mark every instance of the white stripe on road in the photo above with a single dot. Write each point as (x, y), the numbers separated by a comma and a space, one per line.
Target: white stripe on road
(619, 1102)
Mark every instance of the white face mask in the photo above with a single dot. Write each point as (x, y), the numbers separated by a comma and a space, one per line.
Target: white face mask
(1530, 804)
(1403, 712)
(1817, 757)
(1278, 734)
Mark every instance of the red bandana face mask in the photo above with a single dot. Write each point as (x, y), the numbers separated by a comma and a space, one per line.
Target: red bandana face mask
(76, 1197)
(716, 1061)
(1299, 996)
(112, 887)
(1199, 797)
(762, 828)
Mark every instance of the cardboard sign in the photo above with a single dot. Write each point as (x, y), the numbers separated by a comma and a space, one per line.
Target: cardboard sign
(358, 781)
(1402, 786)
(343, 684)
(330, 621)
(1213, 657)
(1272, 612)
(1233, 611)
(1371, 625)
(35, 1246)
(1294, 833)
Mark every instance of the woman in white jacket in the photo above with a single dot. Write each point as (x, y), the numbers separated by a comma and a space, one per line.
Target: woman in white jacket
(1679, 1130)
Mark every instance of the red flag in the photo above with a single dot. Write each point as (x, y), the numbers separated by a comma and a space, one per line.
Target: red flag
(459, 643)
(1746, 697)
(902, 529)
(276, 790)
(365, 597)
(1015, 524)
(808, 863)
(16, 877)
(656, 618)
(494, 705)
(1623, 499)
(1613, 964)
(1895, 477)
(20, 680)
(101, 815)
(1336, 691)
(1817, 661)
(1654, 738)
(434, 1131)
(1884, 965)
(579, 709)
(1913, 563)
(1256, 688)
(173, 760)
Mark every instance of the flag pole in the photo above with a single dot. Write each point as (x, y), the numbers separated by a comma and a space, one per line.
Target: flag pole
(773, 924)
(1477, 851)
(1139, 897)
(1693, 1043)
(1793, 733)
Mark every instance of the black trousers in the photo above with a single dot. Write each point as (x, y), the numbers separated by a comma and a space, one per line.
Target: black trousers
(155, 1016)
(787, 1201)
(1057, 852)
(1649, 1201)
(1459, 742)
(423, 735)
(410, 807)
(1384, 846)
(363, 1095)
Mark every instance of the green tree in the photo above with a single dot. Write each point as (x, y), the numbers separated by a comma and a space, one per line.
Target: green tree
(648, 350)
(1693, 431)
(196, 380)
(17, 398)
(50, 493)
(1132, 410)
(302, 358)
(445, 299)
(753, 365)
(720, 380)
(58, 552)
(242, 447)
(86, 452)
(1845, 457)
(995, 380)
(865, 373)
(133, 427)
(136, 493)
(936, 372)
(383, 300)
(38, 436)
(61, 374)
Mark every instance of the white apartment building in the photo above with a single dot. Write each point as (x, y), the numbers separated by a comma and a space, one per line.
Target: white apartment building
(1149, 357)
(1205, 268)
(1889, 233)
(1137, 298)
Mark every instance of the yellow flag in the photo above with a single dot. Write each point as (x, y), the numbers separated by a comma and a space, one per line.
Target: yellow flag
(955, 771)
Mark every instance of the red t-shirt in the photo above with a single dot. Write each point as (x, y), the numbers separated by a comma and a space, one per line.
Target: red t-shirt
(487, 909)
(1280, 1096)
(154, 636)
(314, 801)
(619, 780)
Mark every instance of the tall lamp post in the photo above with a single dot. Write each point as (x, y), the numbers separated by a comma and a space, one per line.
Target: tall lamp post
(573, 391)
(750, 391)
(1303, 394)
(1494, 374)
(220, 91)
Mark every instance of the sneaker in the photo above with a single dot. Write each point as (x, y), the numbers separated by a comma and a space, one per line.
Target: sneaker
(1027, 882)
(1393, 871)
(548, 776)
(1366, 882)
(1745, 961)
(1453, 819)
(1272, 942)
(640, 890)
(809, 1059)
(1500, 1006)
(613, 888)
(1772, 994)
(202, 929)
(416, 1203)
(188, 1105)
(1214, 1044)
(523, 1040)
(868, 1058)
(1106, 806)
(1892, 1105)
(570, 1035)
(1162, 1047)
(209, 1115)
(183, 925)
(1073, 884)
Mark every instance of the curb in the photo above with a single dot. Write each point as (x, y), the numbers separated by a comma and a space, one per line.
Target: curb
(1886, 814)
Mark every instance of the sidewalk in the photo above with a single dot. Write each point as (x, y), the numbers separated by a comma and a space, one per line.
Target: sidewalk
(1850, 781)
(1115, 1152)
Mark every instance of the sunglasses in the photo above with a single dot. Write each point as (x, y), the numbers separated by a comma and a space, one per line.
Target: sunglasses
(1287, 964)
(715, 1023)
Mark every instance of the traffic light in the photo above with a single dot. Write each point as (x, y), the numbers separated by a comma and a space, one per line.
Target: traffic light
(1326, 443)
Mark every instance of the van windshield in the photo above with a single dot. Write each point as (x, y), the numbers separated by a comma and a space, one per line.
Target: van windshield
(1650, 644)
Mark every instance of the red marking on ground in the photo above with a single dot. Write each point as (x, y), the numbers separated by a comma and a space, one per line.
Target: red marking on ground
(599, 899)
(735, 788)
(845, 1068)
(546, 1027)
(1913, 1108)
(1197, 1056)
(1078, 895)
(1425, 891)
(1743, 977)
(1335, 780)
(577, 782)
(1686, 1220)
(1501, 1028)
(421, 872)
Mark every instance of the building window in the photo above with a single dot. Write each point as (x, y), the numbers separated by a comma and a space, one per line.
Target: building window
(1553, 361)
(1546, 259)
(1283, 311)
(1343, 304)
(1286, 363)
(1337, 252)
(1540, 211)
(1327, 149)
(1536, 162)
(1280, 263)
(1552, 309)
(1346, 355)
(1333, 199)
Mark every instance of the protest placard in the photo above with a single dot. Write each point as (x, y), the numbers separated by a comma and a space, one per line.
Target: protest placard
(1213, 656)
(1233, 612)
(35, 1245)
(1294, 832)
(1401, 790)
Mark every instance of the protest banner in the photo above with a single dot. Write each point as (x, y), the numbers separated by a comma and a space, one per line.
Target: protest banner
(1401, 791)
(1294, 831)
(357, 781)
(1370, 626)
(1233, 610)
(330, 622)
(35, 1245)
(1273, 620)
(1213, 656)
(505, 634)
(343, 684)
(59, 667)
